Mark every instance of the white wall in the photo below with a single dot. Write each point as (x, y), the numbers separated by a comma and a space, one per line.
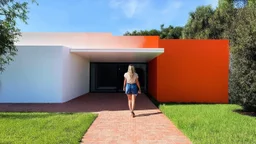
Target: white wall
(69, 39)
(75, 75)
(80, 40)
(34, 77)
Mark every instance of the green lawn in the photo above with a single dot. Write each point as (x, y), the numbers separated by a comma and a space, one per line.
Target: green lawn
(212, 124)
(44, 128)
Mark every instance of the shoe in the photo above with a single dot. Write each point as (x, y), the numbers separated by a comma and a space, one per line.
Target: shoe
(133, 114)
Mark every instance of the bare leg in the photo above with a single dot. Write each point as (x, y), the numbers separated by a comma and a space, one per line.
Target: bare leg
(133, 102)
(129, 102)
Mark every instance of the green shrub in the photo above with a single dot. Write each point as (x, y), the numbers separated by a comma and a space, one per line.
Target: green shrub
(242, 36)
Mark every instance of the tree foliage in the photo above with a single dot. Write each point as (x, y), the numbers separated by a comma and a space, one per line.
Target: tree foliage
(198, 25)
(164, 33)
(152, 32)
(242, 36)
(10, 12)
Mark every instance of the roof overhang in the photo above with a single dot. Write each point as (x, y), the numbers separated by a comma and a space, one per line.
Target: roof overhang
(118, 54)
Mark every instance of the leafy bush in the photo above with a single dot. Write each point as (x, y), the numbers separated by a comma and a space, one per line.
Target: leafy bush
(242, 36)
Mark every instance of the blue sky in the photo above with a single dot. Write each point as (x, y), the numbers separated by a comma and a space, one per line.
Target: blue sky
(115, 16)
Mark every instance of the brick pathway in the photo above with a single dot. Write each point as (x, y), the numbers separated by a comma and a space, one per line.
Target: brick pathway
(114, 124)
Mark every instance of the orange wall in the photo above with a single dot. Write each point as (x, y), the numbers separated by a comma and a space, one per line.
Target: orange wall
(152, 78)
(150, 42)
(190, 71)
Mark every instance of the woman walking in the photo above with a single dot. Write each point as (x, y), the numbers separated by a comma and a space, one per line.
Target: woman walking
(130, 87)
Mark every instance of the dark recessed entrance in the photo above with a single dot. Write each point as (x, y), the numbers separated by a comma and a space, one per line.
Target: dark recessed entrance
(109, 77)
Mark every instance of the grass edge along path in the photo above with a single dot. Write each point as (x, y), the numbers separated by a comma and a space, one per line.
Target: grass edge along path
(44, 128)
(212, 123)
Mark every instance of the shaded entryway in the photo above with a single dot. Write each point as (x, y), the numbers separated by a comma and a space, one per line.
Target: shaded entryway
(109, 77)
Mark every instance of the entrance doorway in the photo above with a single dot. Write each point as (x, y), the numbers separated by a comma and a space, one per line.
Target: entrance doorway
(109, 77)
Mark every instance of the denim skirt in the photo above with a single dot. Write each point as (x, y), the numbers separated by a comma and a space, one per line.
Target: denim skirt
(131, 89)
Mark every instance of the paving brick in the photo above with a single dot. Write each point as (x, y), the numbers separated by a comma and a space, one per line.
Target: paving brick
(114, 125)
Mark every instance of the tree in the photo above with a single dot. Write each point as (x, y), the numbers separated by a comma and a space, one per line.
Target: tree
(198, 25)
(235, 3)
(176, 32)
(221, 21)
(242, 36)
(152, 32)
(238, 21)
(207, 23)
(10, 12)
(164, 33)
(171, 32)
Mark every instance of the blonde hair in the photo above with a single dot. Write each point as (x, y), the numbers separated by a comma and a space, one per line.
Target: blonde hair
(131, 70)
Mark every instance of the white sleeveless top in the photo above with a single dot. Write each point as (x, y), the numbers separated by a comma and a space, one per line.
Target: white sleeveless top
(129, 79)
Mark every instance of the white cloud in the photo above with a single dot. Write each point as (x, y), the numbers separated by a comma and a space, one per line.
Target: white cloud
(128, 7)
(146, 12)
(171, 7)
(115, 3)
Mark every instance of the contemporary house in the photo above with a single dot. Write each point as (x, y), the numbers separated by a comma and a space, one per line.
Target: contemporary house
(58, 67)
